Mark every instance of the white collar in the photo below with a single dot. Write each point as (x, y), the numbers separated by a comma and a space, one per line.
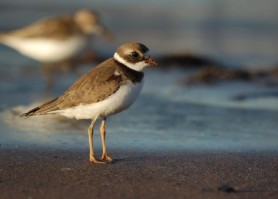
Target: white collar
(139, 66)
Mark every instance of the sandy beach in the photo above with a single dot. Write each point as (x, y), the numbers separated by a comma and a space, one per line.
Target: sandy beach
(204, 126)
(50, 173)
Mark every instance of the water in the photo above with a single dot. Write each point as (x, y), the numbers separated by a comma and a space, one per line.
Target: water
(167, 115)
(237, 32)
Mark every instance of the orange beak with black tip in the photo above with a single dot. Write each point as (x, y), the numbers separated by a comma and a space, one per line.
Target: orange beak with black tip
(150, 61)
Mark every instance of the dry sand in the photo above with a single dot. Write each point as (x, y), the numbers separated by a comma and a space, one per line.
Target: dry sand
(37, 173)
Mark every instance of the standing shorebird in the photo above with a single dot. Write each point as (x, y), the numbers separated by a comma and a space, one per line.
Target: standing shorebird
(107, 89)
(55, 39)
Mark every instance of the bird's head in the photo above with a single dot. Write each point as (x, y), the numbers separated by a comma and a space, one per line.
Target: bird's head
(134, 56)
(89, 22)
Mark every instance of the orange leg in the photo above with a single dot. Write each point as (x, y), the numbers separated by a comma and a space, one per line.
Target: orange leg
(105, 157)
(91, 144)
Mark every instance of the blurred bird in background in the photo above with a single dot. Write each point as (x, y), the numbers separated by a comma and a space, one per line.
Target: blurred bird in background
(56, 40)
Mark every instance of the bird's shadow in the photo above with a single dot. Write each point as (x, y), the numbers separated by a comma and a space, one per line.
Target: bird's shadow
(130, 159)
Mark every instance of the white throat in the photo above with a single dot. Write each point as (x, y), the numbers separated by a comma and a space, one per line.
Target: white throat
(139, 66)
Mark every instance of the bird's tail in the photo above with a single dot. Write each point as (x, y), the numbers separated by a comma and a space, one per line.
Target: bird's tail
(42, 109)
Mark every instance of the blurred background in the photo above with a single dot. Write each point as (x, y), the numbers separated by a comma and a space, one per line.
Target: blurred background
(215, 87)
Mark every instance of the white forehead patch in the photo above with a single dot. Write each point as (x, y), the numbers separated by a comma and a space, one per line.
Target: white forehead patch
(139, 66)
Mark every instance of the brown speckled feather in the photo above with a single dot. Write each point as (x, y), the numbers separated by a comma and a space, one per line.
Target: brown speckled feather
(97, 85)
(94, 86)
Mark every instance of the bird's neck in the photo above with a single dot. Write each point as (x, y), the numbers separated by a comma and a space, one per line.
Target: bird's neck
(133, 75)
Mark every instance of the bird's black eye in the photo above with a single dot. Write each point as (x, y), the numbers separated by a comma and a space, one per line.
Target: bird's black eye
(135, 54)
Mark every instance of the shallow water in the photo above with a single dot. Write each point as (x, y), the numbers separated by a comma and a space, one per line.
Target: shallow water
(233, 31)
(167, 115)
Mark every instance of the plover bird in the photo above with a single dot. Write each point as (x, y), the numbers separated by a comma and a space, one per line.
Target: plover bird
(107, 89)
(55, 39)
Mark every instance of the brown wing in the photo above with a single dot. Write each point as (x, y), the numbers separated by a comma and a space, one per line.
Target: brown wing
(94, 86)
(57, 27)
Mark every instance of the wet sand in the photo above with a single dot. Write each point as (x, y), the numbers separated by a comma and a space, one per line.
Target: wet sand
(49, 173)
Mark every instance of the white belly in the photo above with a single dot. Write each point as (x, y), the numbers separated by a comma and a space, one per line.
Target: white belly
(117, 102)
(47, 50)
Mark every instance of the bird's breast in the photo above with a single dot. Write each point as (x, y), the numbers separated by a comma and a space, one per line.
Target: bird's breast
(123, 98)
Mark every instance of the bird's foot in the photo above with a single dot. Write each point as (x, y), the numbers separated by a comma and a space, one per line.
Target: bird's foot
(106, 158)
(94, 160)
